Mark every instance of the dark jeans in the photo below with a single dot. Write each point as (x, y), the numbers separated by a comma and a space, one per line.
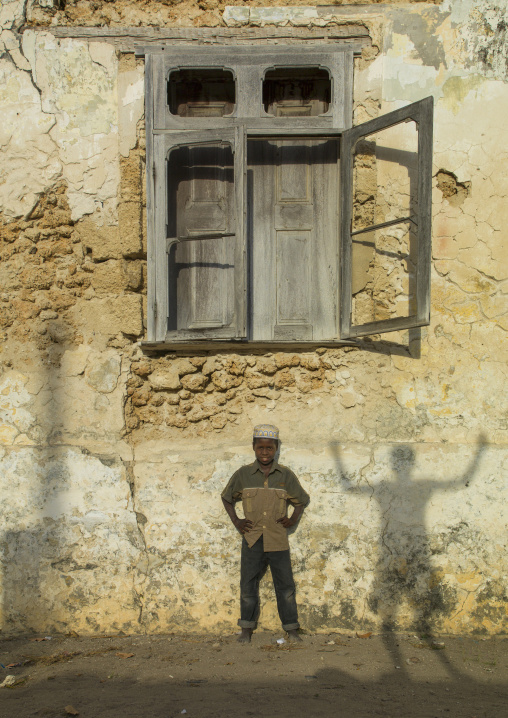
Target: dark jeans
(254, 562)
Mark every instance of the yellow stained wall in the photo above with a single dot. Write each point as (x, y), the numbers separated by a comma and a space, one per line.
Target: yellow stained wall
(113, 460)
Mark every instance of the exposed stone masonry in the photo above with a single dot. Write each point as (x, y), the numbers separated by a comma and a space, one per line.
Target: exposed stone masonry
(453, 190)
(183, 391)
(47, 265)
(204, 13)
(42, 271)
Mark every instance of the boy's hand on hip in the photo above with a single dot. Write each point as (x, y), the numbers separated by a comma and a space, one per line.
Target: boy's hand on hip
(243, 526)
(286, 522)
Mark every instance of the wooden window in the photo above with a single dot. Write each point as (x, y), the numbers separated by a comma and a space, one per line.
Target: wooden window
(270, 219)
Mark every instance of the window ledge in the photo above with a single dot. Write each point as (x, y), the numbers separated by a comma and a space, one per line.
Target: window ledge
(243, 345)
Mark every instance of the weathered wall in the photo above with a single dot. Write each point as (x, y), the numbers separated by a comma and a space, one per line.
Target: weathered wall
(113, 460)
(179, 13)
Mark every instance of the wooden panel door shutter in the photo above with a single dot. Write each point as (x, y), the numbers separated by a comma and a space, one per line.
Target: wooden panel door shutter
(200, 230)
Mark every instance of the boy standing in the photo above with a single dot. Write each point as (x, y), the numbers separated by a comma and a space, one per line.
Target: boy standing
(265, 488)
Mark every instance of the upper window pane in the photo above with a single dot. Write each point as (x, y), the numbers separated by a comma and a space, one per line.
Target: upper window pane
(296, 92)
(201, 93)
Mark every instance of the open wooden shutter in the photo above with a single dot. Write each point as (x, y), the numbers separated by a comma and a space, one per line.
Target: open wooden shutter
(386, 208)
(200, 218)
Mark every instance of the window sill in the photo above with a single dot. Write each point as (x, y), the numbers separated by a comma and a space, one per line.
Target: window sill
(243, 345)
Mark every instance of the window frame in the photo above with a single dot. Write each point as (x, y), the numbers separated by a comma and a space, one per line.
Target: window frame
(249, 120)
(421, 113)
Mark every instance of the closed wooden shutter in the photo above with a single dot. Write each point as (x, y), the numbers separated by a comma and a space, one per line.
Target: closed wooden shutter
(200, 234)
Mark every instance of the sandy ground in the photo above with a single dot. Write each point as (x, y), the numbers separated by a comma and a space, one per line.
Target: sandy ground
(213, 676)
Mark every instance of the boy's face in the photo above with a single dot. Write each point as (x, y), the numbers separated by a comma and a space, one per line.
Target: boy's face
(265, 450)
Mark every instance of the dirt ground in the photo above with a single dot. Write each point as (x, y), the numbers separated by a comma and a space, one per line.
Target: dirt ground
(214, 676)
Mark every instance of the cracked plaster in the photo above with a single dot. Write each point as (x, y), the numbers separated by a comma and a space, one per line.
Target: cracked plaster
(69, 124)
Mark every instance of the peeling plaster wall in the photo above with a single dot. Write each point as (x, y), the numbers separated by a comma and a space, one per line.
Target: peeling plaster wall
(113, 461)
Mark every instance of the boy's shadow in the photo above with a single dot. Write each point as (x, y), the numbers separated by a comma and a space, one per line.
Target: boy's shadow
(403, 573)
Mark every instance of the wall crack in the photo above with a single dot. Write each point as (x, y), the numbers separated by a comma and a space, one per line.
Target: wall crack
(141, 520)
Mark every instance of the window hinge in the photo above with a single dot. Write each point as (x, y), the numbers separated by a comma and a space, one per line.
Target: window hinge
(155, 310)
(153, 170)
